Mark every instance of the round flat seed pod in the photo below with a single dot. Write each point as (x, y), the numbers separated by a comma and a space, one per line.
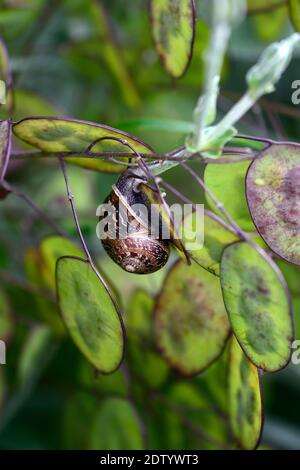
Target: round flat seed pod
(216, 237)
(227, 183)
(91, 317)
(173, 31)
(258, 305)
(53, 134)
(245, 398)
(191, 324)
(273, 194)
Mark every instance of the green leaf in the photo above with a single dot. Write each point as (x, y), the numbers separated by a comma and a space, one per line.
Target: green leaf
(216, 237)
(35, 351)
(263, 76)
(28, 103)
(291, 274)
(192, 417)
(294, 9)
(232, 177)
(6, 318)
(256, 5)
(52, 248)
(5, 142)
(169, 125)
(79, 411)
(269, 26)
(245, 398)
(116, 426)
(173, 30)
(250, 144)
(273, 197)
(90, 315)
(191, 324)
(69, 135)
(150, 283)
(144, 360)
(40, 269)
(112, 384)
(46, 310)
(215, 381)
(258, 304)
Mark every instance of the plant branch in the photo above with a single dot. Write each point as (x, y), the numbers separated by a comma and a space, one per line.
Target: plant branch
(241, 153)
(145, 170)
(82, 240)
(237, 229)
(112, 55)
(182, 411)
(9, 278)
(186, 200)
(223, 20)
(219, 205)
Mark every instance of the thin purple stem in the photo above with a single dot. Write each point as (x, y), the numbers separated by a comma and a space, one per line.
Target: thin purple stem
(33, 206)
(237, 229)
(144, 166)
(219, 205)
(146, 171)
(186, 200)
(111, 156)
(83, 243)
(9, 278)
(267, 140)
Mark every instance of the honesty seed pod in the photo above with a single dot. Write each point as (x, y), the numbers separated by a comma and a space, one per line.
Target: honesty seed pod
(131, 243)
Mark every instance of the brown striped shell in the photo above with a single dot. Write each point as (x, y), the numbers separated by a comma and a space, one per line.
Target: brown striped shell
(136, 253)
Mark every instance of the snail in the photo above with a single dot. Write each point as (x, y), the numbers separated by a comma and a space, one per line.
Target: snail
(133, 248)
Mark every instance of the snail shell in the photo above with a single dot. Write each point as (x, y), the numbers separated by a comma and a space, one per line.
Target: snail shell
(137, 252)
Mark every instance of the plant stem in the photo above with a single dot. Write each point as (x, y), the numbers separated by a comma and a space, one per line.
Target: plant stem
(214, 61)
(8, 278)
(186, 200)
(182, 413)
(83, 243)
(220, 206)
(234, 115)
(172, 157)
(112, 55)
(34, 207)
(235, 227)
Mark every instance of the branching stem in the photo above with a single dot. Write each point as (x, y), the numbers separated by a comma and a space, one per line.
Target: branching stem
(82, 240)
(8, 187)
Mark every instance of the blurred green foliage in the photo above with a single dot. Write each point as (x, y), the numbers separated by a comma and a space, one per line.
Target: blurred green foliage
(96, 61)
